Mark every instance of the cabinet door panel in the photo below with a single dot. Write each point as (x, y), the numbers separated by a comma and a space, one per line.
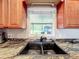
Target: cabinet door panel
(15, 13)
(71, 19)
(3, 13)
(60, 14)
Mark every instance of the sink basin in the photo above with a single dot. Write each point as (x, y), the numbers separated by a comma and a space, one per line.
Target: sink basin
(42, 47)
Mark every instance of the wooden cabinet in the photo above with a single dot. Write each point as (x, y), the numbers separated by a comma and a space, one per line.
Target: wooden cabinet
(15, 13)
(68, 14)
(3, 13)
(12, 14)
(1, 17)
(71, 12)
(60, 15)
(43, 2)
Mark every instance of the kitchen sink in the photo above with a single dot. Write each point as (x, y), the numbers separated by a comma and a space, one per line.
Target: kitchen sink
(42, 46)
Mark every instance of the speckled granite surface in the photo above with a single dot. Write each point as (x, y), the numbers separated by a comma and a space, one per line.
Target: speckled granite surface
(11, 48)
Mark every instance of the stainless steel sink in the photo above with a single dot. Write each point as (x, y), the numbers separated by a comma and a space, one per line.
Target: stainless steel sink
(42, 47)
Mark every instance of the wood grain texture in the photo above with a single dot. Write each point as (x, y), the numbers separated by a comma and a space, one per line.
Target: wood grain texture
(12, 14)
(15, 13)
(3, 13)
(71, 19)
(1, 18)
(60, 15)
(43, 1)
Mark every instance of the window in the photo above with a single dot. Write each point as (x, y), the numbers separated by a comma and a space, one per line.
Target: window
(41, 21)
(41, 28)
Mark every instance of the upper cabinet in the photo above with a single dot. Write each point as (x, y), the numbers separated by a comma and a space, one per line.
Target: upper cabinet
(3, 13)
(1, 17)
(13, 14)
(68, 14)
(71, 14)
(16, 14)
(60, 15)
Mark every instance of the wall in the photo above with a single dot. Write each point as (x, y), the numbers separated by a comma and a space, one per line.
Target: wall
(17, 33)
(60, 33)
(67, 33)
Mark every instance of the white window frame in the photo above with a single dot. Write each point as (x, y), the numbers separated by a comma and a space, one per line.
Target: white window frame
(54, 21)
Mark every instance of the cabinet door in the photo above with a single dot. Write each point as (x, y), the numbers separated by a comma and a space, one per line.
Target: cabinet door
(3, 13)
(71, 19)
(60, 15)
(15, 13)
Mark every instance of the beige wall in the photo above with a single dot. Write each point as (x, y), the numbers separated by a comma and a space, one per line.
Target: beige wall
(17, 33)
